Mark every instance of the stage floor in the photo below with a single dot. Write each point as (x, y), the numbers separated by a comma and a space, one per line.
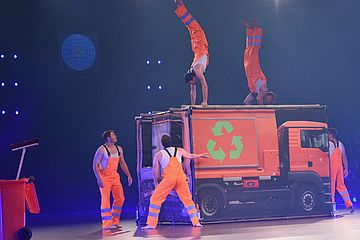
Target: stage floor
(345, 226)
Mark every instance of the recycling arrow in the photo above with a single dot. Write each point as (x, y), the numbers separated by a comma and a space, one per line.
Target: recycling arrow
(216, 155)
(217, 129)
(235, 154)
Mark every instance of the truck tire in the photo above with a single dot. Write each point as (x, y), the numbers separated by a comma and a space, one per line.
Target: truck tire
(25, 233)
(211, 202)
(307, 199)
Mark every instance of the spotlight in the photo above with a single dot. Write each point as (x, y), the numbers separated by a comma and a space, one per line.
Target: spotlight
(159, 61)
(15, 56)
(149, 112)
(147, 62)
(3, 84)
(16, 84)
(2, 55)
(148, 87)
(3, 112)
(16, 112)
(160, 87)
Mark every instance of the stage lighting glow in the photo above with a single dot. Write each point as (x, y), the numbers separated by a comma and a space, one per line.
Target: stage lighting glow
(16, 84)
(3, 84)
(148, 87)
(160, 87)
(3, 112)
(17, 112)
(15, 56)
(2, 55)
(147, 62)
(354, 199)
(149, 112)
(159, 61)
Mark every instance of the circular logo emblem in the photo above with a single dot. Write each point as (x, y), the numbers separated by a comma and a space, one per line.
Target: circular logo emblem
(78, 52)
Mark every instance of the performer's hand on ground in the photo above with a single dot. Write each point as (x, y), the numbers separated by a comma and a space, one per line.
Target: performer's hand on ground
(204, 104)
(100, 183)
(130, 181)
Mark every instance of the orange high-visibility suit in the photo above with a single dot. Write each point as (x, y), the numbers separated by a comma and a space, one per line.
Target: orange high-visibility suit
(251, 58)
(111, 180)
(173, 178)
(337, 176)
(199, 43)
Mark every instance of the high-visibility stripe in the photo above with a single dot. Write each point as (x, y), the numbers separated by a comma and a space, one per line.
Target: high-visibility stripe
(117, 207)
(116, 215)
(155, 206)
(190, 207)
(343, 192)
(107, 218)
(190, 21)
(193, 215)
(185, 15)
(104, 210)
(254, 37)
(151, 214)
(254, 44)
(346, 198)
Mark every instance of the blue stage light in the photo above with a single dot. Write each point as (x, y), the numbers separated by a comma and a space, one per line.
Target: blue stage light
(17, 112)
(16, 84)
(160, 87)
(159, 61)
(15, 56)
(2, 55)
(354, 199)
(147, 62)
(149, 112)
(3, 112)
(3, 84)
(148, 87)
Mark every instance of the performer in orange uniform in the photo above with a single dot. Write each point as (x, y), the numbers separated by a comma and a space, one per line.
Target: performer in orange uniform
(168, 161)
(338, 162)
(256, 78)
(105, 165)
(199, 46)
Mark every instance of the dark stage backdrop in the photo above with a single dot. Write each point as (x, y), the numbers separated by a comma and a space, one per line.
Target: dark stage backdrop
(310, 54)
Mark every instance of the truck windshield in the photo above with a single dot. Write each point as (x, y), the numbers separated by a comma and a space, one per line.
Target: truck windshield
(314, 139)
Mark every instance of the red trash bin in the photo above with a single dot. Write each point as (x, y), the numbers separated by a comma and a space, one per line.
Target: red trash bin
(13, 195)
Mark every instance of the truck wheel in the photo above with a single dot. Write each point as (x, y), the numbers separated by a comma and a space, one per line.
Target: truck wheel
(25, 233)
(307, 199)
(211, 202)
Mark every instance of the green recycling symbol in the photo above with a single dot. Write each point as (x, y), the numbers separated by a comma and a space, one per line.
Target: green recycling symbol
(236, 141)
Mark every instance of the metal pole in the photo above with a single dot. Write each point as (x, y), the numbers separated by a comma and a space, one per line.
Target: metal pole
(21, 163)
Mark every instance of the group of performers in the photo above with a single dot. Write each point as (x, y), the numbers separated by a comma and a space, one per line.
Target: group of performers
(168, 161)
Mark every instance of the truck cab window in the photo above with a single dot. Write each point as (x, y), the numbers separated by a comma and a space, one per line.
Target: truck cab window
(314, 139)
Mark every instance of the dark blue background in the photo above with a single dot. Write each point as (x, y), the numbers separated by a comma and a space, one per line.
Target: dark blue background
(310, 54)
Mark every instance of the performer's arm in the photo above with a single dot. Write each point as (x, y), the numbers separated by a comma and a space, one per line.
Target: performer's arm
(124, 166)
(188, 155)
(344, 161)
(249, 99)
(156, 168)
(199, 71)
(193, 94)
(96, 161)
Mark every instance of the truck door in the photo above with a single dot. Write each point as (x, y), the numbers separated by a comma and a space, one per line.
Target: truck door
(297, 153)
(315, 141)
